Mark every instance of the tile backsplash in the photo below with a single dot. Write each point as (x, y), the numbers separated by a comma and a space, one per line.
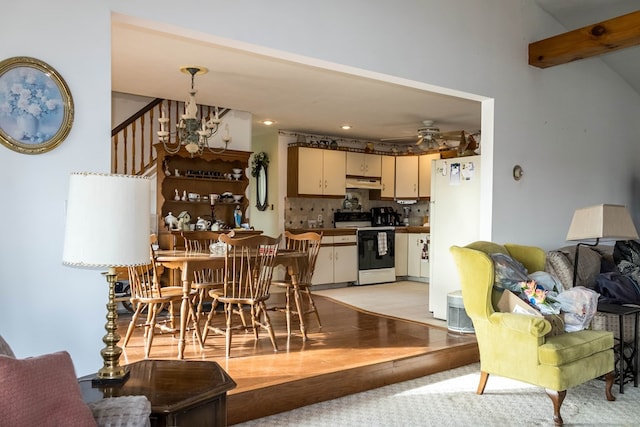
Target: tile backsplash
(299, 210)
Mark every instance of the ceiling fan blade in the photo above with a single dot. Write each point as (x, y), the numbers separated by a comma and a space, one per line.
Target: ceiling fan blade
(420, 140)
(398, 139)
(453, 135)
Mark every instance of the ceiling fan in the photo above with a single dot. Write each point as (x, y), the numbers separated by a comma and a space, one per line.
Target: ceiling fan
(430, 134)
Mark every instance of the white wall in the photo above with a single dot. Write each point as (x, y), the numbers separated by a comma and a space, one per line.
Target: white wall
(269, 219)
(45, 306)
(573, 127)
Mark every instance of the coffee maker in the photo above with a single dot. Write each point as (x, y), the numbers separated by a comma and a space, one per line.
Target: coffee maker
(384, 216)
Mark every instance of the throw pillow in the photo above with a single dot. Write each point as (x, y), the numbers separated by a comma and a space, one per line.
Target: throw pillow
(560, 264)
(41, 391)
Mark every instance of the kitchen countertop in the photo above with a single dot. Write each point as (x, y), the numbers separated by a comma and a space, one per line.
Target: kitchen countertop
(325, 231)
(349, 231)
(414, 229)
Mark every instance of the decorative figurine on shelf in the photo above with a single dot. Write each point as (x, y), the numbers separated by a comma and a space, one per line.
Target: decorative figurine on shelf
(202, 224)
(237, 216)
(184, 195)
(177, 196)
(184, 219)
(171, 221)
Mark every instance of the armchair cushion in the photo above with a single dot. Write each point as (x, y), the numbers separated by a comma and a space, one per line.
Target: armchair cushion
(567, 348)
(41, 390)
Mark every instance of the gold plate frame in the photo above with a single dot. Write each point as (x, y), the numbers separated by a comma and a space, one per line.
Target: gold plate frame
(36, 107)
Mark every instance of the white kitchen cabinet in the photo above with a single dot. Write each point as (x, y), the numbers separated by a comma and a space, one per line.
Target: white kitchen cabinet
(316, 172)
(424, 174)
(418, 255)
(402, 254)
(407, 177)
(364, 164)
(337, 260)
(388, 176)
(345, 264)
(323, 272)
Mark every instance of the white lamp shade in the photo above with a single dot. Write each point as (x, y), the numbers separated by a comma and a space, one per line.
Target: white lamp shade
(108, 221)
(602, 222)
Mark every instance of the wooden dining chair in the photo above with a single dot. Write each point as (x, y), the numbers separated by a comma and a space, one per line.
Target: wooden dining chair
(147, 294)
(206, 279)
(308, 243)
(249, 264)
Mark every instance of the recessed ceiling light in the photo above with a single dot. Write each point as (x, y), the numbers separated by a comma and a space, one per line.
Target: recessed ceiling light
(345, 127)
(268, 122)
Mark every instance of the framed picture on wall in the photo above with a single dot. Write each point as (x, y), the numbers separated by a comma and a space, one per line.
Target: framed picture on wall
(36, 107)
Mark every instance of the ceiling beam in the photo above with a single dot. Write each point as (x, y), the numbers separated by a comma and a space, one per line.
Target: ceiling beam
(592, 40)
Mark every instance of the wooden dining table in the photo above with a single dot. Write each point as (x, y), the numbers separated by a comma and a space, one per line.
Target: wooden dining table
(188, 262)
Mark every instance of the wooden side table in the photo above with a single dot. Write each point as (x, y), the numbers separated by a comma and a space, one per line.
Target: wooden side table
(627, 362)
(185, 393)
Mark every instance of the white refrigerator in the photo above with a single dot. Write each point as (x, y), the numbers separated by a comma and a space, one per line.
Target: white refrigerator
(454, 217)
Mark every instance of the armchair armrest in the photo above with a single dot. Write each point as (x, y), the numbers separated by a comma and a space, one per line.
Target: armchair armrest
(535, 326)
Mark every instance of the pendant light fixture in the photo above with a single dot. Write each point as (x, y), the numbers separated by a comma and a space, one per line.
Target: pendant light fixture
(192, 132)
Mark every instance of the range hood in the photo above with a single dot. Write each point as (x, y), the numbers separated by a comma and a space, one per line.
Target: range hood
(364, 183)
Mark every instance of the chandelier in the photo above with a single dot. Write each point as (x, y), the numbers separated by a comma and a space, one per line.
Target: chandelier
(192, 133)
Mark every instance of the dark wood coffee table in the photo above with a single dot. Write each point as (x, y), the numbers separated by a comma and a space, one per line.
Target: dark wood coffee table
(185, 393)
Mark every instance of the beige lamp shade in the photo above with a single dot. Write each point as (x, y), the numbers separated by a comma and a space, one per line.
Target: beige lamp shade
(602, 222)
(108, 221)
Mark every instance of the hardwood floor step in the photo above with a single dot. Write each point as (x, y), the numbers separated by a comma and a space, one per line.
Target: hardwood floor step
(354, 351)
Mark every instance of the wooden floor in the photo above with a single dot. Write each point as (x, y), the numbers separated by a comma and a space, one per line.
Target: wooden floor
(354, 351)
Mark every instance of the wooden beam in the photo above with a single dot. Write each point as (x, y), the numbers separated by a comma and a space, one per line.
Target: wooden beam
(586, 42)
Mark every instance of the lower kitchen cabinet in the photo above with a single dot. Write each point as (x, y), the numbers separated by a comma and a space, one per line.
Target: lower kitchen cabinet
(418, 255)
(402, 254)
(337, 260)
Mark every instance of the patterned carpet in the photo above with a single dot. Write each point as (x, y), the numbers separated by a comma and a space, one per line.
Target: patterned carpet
(404, 300)
(448, 399)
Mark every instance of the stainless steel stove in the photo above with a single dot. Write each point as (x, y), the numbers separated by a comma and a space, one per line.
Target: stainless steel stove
(376, 247)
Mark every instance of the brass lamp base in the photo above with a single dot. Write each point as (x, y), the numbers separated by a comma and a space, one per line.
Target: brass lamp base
(119, 378)
(111, 371)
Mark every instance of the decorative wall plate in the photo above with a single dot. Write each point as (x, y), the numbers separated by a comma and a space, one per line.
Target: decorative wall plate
(36, 107)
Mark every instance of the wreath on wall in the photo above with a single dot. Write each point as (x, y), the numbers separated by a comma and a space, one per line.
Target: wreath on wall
(259, 160)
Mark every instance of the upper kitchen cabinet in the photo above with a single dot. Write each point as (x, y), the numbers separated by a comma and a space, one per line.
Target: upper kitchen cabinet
(316, 172)
(424, 174)
(364, 164)
(388, 177)
(407, 177)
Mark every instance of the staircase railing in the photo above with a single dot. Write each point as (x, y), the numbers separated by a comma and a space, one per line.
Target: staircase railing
(132, 151)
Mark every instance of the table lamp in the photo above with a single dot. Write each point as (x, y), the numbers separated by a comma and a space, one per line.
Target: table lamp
(107, 226)
(611, 222)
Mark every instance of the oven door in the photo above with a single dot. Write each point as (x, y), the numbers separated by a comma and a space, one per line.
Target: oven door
(376, 249)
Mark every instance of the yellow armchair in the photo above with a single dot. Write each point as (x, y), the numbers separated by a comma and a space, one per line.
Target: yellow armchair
(516, 346)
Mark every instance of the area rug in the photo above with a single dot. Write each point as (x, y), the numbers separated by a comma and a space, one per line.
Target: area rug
(403, 300)
(448, 399)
